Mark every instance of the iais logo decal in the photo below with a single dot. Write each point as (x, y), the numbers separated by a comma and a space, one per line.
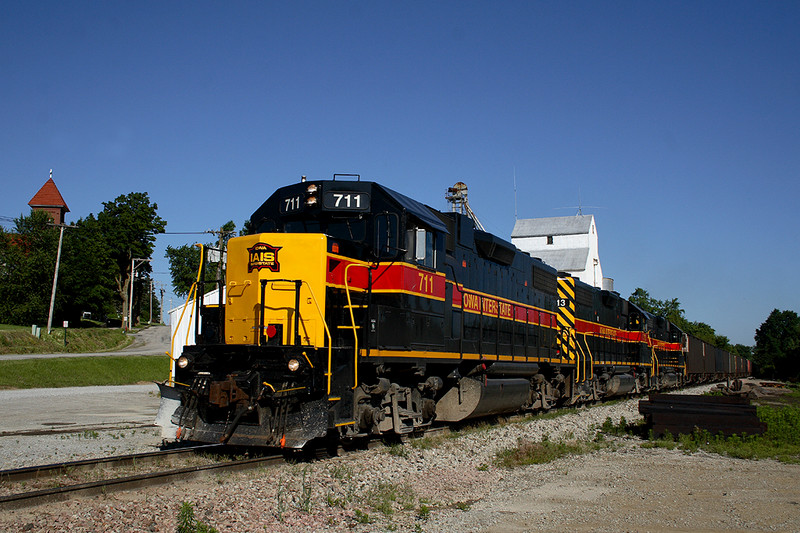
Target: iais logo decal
(262, 255)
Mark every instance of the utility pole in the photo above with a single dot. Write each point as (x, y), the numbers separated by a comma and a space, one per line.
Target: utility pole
(221, 243)
(221, 251)
(134, 266)
(150, 316)
(55, 276)
(161, 309)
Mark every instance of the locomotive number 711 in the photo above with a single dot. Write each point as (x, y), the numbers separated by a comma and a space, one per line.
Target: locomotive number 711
(354, 201)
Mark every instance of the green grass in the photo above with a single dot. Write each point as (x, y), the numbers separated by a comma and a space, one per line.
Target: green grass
(534, 453)
(82, 371)
(385, 497)
(18, 340)
(10, 327)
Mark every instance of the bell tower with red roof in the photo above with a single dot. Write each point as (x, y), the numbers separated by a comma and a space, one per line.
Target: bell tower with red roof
(49, 199)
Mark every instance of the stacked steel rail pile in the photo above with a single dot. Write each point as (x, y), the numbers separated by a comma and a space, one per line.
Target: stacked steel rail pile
(681, 414)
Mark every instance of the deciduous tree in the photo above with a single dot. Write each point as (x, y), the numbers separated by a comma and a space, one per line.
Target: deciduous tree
(130, 224)
(184, 262)
(27, 262)
(777, 350)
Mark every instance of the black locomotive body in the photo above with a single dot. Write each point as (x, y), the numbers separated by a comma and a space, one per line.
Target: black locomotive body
(353, 310)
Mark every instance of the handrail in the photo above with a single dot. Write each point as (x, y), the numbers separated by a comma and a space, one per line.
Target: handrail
(577, 351)
(328, 331)
(353, 320)
(172, 339)
(591, 357)
(192, 290)
(652, 347)
(298, 283)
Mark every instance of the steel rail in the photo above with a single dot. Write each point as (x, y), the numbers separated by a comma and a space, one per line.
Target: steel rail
(105, 486)
(56, 469)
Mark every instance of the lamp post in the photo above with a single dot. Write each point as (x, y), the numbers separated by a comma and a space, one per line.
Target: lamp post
(134, 266)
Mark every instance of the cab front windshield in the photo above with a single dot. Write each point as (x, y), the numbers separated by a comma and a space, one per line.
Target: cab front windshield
(351, 229)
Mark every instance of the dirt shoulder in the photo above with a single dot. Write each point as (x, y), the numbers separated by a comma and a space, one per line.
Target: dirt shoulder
(636, 489)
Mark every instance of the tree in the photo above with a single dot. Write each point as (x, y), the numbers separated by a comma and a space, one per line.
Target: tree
(27, 261)
(94, 274)
(86, 282)
(641, 298)
(777, 350)
(743, 351)
(671, 309)
(129, 225)
(247, 228)
(184, 262)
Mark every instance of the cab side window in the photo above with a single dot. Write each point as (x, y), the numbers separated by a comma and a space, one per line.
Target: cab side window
(386, 235)
(421, 247)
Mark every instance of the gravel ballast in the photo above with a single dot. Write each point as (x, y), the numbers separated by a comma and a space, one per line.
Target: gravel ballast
(445, 484)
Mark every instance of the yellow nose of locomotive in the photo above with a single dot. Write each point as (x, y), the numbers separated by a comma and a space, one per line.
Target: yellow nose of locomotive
(276, 287)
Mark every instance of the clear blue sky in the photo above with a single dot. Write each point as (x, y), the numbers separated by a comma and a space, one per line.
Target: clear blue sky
(678, 121)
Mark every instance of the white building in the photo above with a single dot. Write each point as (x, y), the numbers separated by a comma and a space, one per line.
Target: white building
(182, 324)
(568, 244)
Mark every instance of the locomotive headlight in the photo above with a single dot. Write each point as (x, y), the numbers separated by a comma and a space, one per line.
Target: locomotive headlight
(311, 201)
(294, 364)
(311, 188)
(183, 361)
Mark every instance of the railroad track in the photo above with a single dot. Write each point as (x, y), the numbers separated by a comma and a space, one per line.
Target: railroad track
(162, 476)
(62, 474)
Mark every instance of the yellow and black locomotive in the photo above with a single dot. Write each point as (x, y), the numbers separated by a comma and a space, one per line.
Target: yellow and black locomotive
(353, 310)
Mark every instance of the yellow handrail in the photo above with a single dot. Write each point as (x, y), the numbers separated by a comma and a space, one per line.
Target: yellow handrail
(180, 319)
(591, 358)
(328, 331)
(192, 291)
(577, 350)
(652, 347)
(353, 321)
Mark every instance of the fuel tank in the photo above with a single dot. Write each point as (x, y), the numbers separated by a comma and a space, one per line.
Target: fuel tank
(472, 398)
(620, 384)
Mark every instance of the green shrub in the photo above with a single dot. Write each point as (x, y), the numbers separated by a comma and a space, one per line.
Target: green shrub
(187, 523)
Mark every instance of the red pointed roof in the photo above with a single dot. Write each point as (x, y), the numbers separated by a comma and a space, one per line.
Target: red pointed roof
(48, 196)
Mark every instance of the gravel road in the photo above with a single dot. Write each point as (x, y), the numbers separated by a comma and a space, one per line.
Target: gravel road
(455, 486)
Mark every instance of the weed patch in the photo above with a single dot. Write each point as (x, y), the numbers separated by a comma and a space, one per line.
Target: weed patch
(187, 523)
(384, 496)
(534, 453)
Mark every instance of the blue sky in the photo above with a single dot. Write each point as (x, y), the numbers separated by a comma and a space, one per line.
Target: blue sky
(678, 122)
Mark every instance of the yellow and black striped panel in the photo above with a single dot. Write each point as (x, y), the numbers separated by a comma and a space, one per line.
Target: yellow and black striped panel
(566, 317)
